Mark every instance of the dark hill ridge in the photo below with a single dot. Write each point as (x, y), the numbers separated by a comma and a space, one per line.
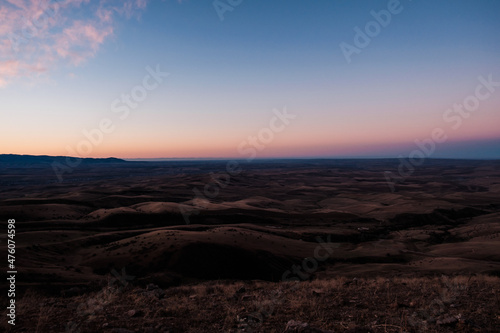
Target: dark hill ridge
(30, 161)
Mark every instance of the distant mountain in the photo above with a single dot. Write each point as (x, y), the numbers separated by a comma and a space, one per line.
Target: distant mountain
(34, 161)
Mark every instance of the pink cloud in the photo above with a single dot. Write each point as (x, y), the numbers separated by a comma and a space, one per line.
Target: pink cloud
(13, 69)
(9, 68)
(37, 36)
(19, 3)
(81, 41)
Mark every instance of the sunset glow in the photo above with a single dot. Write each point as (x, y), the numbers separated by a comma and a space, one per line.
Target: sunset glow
(181, 79)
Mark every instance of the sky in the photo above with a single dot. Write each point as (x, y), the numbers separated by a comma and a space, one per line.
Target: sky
(250, 79)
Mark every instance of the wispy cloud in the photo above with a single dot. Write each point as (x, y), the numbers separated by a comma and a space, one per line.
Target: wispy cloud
(37, 36)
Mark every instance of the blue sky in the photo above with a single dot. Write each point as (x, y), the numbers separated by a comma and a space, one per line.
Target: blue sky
(227, 76)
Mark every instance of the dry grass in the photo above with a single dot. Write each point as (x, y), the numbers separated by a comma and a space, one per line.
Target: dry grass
(433, 304)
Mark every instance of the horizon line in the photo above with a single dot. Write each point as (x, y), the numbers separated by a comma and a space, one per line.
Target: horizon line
(166, 159)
